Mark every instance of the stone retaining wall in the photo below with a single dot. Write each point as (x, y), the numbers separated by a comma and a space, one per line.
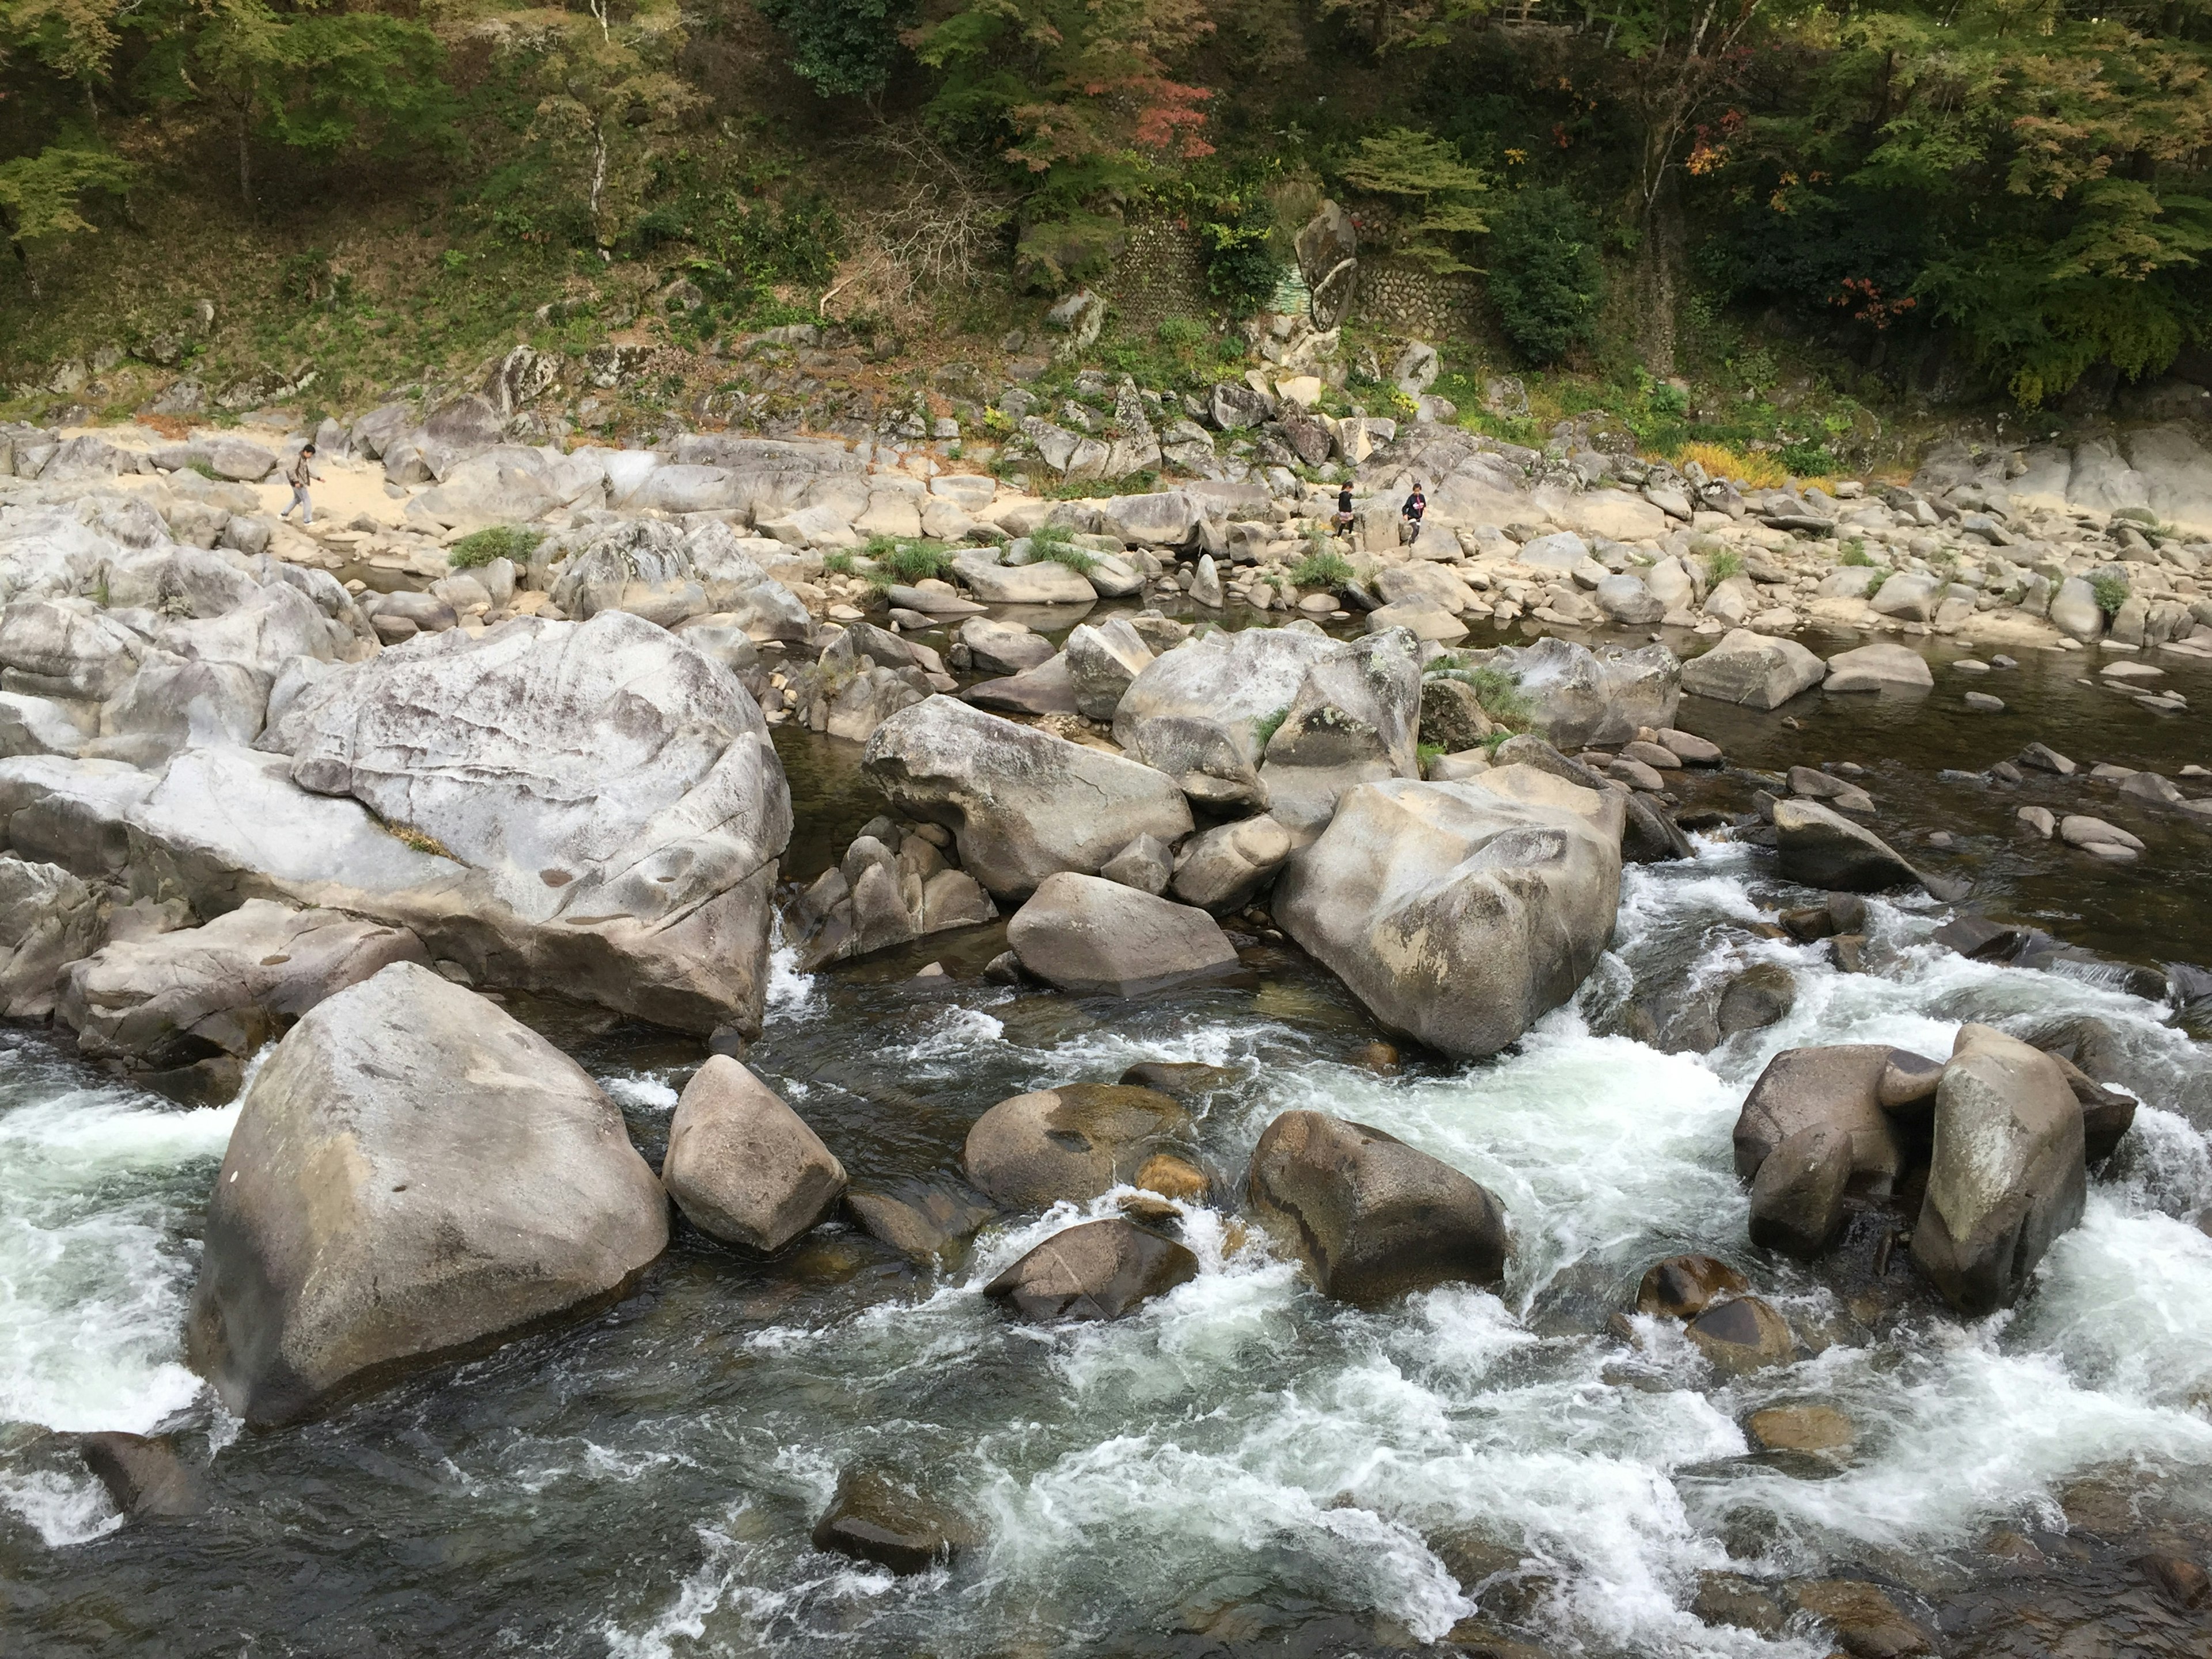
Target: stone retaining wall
(1408, 298)
(1160, 274)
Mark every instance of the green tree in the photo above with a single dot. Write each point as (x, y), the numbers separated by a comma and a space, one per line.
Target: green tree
(1424, 176)
(846, 48)
(1545, 276)
(42, 196)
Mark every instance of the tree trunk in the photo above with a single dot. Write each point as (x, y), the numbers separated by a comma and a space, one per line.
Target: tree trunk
(1659, 277)
(244, 163)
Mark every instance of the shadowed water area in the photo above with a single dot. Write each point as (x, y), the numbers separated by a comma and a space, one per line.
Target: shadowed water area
(1241, 1466)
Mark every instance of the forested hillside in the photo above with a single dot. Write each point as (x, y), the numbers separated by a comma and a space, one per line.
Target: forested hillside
(1704, 214)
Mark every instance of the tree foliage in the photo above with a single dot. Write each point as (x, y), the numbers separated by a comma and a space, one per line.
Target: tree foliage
(1545, 276)
(1423, 175)
(845, 48)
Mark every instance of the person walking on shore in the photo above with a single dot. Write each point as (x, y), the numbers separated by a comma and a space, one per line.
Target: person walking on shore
(1416, 506)
(299, 476)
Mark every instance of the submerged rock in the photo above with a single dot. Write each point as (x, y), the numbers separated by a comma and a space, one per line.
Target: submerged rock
(362, 1224)
(1095, 1270)
(875, 1518)
(1370, 1217)
(742, 1165)
(2006, 1176)
(1092, 936)
(144, 1475)
(1460, 912)
(1683, 1286)
(1741, 1335)
(1073, 1142)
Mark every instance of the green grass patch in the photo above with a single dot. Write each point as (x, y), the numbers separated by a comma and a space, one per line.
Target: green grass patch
(1855, 554)
(905, 562)
(205, 471)
(1426, 752)
(1724, 564)
(1080, 560)
(506, 541)
(839, 564)
(2111, 591)
(1322, 569)
(1875, 587)
(1498, 691)
(1264, 728)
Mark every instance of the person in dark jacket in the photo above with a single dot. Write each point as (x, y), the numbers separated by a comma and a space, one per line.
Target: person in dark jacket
(1416, 507)
(1344, 510)
(300, 475)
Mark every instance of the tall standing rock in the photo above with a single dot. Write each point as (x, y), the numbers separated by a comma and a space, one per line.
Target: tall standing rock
(742, 1165)
(415, 1175)
(2006, 1176)
(1328, 258)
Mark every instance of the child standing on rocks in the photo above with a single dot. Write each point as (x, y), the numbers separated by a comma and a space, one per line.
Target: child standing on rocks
(300, 476)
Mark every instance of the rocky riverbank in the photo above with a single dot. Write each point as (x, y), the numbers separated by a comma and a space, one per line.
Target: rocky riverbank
(347, 830)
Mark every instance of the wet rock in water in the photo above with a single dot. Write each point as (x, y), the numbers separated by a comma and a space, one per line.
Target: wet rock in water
(1370, 1217)
(742, 1165)
(1173, 1177)
(1981, 702)
(2040, 819)
(1801, 1429)
(2006, 1176)
(352, 1186)
(1003, 647)
(2044, 758)
(1101, 663)
(1742, 1335)
(1754, 670)
(1073, 1142)
(1844, 797)
(1982, 940)
(2106, 841)
(143, 1476)
(1576, 696)
(1648, 835)
(1091, 936)
(1460, 912)
(1724, 1598)
(1690, 750)
(2107, 1114)
(176, 998)
(919, 1217)
(1184, 1079)
(1683, 1286)
(1885, 666)
(1021, 803)
(1760, 996)
(1222, 868)
(2183, 1581)
(1835, 1087)
(1907, 1087)
(1820, 847)
(1868, 1623)
(1797, 1196)
(1145, 863)
(1097, 1270)
(875, 1518)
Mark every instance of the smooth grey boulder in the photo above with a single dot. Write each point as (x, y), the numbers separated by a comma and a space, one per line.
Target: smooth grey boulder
(223, 989)
(1003, 647)
(1835, 1087)
(1145, 864)
(1044, 690)
(1094, 1270)
(1073, 1142)
(1203, 712)
(1819, 847)
(1222, 868)
(606, 799)
(415, 1175)
(1163, 519)
(1755, 670)
(276, 623)
(1576, 696)
(1460, 912)
(1883, 666)
(173, 703)
(44, 726)
(48, 919)
(665, 574)
(1797, 1196)
(1091, 936)
(742, 1165)
(1045, 582)
(1910, 595)
(66, 648)
(1356, 719)
(2074, 610)
(1101, 664)
(1625, 600)
(2006, 1176)
(1370, 1217)
(924, 1216)
(70, 812)
(1022, 803)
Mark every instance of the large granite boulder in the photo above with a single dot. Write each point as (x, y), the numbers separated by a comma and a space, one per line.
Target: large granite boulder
(219, 992)
(1102, 662)
(592, 808)
(66, 812)
(1755, 670)
(415, 1175)
(666, 573)
(1070, 1143)
(1372, 1217)
(66, 648)
(742, 1165)
(48, 919)
(1022, 803)
(1820, 847)
(1460, 912)
(1222, 868)
(1096, 937)
(2006, 1176)
(1578, 697)
(1356, 719)
(1204, 712)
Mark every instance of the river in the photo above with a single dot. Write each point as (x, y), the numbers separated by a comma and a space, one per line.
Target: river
(1240, 1467)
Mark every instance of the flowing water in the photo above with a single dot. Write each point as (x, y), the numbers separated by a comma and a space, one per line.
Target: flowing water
(1240, 1467)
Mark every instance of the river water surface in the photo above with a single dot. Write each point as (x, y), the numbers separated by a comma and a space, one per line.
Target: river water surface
(1240, 1467)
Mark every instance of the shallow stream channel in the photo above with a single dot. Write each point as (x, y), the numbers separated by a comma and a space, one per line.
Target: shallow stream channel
(1240, 1467)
